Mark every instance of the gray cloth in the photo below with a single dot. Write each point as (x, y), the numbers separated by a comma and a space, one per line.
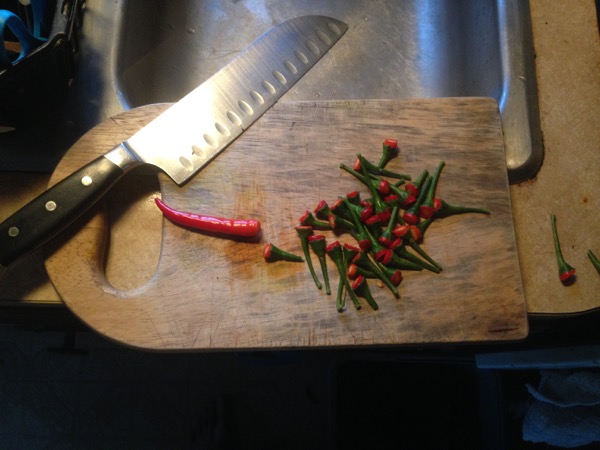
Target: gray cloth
(565, 411)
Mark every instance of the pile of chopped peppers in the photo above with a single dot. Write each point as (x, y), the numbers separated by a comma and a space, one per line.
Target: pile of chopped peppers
(388, 227)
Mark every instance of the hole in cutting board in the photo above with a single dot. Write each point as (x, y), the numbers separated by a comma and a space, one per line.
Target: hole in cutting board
(135, 230)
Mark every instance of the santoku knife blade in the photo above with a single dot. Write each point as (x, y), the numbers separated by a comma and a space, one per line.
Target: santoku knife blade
(188, 135)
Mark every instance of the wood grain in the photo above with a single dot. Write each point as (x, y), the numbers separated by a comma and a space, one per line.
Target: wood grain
(175, 289)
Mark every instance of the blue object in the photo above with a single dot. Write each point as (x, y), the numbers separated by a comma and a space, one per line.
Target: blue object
(27, 41)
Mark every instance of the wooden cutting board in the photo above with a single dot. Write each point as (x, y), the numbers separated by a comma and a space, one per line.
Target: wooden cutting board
(140, 280)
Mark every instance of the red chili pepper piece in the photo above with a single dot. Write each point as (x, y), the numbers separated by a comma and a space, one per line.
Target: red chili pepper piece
(354, 197)
(211, 224)
(426, 211)
(384, 187)
(384, 256)
(389, 150)
(415, 232)
(414, 190)
(410, 200)
(444, 209)
(391, 143)
(366, 213)
(410, 218)
(400, 231)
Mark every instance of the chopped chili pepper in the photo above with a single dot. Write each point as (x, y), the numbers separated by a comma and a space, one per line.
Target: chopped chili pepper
(273, 253)
(317, 243)
(210, 224)
(386, 236)
(364, 165)
(415, 187)
(427, 210)
(334, 250)
(415, 232)
(566, 272)
(353, 197)
(594, 259)
(362, 260)
(361, 289)
(322, 211)
(350, 251)
(354, 271)
(389, 151)
(307, 219)
(304, 232)
(384, 187)
(443, 209)
(379, 204)
(401, 230)
(411, 215)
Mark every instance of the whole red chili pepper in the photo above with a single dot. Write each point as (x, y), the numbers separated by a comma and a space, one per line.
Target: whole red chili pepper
(211, 224)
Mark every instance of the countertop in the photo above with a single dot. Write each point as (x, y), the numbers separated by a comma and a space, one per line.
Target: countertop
(567, 46)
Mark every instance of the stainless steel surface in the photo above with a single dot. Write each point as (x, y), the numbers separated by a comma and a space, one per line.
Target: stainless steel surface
(393, 49)
(192, 132)
(135, 52)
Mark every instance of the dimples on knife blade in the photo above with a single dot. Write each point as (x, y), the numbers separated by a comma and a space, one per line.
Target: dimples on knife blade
(205, 121)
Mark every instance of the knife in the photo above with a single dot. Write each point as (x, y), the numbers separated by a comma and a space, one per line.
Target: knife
(185, 137)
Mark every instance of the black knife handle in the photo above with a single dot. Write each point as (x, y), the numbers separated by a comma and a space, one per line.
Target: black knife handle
(52, 211)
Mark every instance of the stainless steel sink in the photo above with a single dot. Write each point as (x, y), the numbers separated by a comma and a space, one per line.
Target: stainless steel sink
(136, 52)
(162, 49)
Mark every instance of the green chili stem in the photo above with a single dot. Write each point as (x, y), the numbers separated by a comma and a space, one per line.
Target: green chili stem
(446, 209)
(380, 205)
(361, 289)
(375, 170)
(274, 253)
(594, 259)
(566, 272)
(334, 251)
(303, 233)
(317, 243)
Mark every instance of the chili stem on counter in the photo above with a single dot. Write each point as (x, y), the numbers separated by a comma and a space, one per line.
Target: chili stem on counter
(566, 272)
(594, 259)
